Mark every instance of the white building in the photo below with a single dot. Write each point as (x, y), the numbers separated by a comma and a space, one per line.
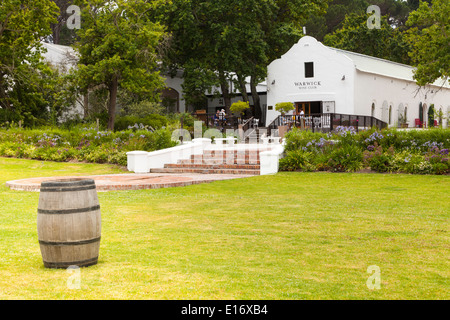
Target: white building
(215, 103)
(64, 58)
(320, 79)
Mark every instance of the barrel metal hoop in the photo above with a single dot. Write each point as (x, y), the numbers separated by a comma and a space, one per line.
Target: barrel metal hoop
(81, 263)
(59, 189)
(69, 243)
(69, 211)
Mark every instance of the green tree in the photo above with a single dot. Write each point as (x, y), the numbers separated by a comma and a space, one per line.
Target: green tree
(429, 38)
(396, 12)
(60, 33)
(234, 39)
(384, 42)
(22, 26)
(117, 49)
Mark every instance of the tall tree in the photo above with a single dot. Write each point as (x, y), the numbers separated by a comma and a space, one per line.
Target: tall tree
(385, 42)
(232, 37)
(396, 12)
(117, 49)
(430, 41)
(61, 20)
(22, 25)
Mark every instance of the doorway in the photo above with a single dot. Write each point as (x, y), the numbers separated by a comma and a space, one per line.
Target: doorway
(310, 107)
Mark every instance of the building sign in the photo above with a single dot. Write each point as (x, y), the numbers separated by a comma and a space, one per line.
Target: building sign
(328, 106)
(307, 84)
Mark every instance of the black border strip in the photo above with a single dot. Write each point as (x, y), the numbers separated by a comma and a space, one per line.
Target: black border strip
(68, 211)
(69, 243)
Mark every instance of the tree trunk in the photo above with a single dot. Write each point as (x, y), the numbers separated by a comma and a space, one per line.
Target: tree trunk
(86, 105)
(224, 86)
(256, 100)
(4, 101)
(56, 31)
(112, 103)
(243, 89)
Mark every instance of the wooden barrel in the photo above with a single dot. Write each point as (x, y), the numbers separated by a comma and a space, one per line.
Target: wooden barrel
(69, 223)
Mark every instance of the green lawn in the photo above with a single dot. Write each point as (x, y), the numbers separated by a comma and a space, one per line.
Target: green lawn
(286, 236)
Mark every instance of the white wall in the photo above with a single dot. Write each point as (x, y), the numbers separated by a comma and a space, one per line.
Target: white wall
(387, 92)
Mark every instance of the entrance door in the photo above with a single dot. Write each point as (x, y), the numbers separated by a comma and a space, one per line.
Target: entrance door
(310, 107)
(305, 106)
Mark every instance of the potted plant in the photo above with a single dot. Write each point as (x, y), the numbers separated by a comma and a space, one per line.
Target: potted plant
(402, 121)
(283, 108)
(440, 117)
(239, 108)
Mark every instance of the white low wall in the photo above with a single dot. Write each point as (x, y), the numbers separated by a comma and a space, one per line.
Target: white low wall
(269, 160)
(143, 162)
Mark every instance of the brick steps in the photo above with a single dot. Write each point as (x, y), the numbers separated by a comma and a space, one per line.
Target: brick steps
(206, 171)
(213, 166)
(212, 162)
(245, 162)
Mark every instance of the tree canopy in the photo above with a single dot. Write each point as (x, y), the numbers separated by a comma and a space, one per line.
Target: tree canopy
(117, 46)
(233, 39)
(430, 42)
(22, 87)
(384, 42)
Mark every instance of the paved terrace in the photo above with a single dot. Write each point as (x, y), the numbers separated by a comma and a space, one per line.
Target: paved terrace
(129, 181)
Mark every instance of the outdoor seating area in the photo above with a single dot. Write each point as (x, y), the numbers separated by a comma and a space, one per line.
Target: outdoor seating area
(326, 122)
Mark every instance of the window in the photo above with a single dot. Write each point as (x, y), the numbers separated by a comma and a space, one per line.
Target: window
(309, 69)
(390, 114)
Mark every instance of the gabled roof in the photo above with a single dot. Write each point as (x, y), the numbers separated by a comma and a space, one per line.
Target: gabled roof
(369, 64)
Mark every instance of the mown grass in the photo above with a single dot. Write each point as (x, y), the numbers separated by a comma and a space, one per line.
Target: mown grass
(286, 236)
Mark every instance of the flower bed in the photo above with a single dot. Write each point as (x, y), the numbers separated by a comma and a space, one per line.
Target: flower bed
(80, 144)
(389, 150)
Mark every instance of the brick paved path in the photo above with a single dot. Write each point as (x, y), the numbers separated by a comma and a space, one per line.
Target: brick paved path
(130, 181)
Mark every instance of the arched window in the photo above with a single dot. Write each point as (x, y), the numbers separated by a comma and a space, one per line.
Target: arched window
(372, 112)
(424, 114)
(171, 100)
(385, 111)
(400, 113)
(390, 114)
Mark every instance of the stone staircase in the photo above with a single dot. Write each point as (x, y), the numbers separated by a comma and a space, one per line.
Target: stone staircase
(256, 134)
(226, 161)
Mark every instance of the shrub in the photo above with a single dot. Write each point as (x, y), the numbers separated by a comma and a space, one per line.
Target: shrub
(377, 160)
(439, 160)
(284, 107)
(296, 160)
(152, 121)
(345, 158)
(80, 143)
(297, 139)
(239, 107)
